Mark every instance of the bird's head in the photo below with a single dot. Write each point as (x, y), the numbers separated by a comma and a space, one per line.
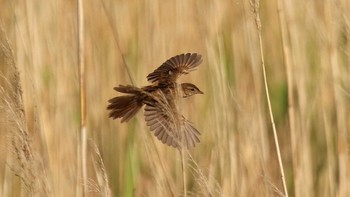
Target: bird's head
(189, 89)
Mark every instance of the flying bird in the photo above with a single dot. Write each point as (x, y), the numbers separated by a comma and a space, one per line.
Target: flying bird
(160, 99)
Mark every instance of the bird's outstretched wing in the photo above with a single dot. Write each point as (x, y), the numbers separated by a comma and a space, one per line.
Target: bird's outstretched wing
(168, 125)
(170, 70)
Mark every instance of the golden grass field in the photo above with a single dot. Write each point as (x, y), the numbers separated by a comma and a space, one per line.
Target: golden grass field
(306, 52)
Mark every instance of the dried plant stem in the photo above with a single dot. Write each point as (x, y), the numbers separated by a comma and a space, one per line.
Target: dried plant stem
(82, 92)
(115, 36)
(255, 5)
(184, 182)
(181, 148)
(288, 62)
(163, 168)
(342, 131)
(23, 156)
(101, 173)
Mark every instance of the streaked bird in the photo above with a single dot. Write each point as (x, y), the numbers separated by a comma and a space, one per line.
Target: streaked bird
(160, 99)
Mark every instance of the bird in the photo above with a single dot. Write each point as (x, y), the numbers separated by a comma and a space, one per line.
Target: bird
(160, 99)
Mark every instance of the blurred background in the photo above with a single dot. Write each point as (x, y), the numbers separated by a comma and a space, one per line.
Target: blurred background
(307, 54)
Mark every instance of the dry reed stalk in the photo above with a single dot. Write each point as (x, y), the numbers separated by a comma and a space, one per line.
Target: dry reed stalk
(101, 173)
(289, 72)
(24, 160)
(343, 133)
(255, 5)
(301, 139)
(115, 37)
(183, 168)
(156, 159)
(82, 85)
(330, 157)
(202, 181)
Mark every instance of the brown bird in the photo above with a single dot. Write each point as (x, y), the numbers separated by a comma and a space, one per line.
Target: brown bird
(161, 112)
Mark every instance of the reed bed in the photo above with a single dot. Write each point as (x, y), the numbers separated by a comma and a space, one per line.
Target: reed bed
(306, 53)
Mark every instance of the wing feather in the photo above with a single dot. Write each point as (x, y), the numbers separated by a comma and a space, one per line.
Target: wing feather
(175, 67)
(169, 126)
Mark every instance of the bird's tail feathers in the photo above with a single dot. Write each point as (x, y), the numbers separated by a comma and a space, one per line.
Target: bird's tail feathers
(125, 107)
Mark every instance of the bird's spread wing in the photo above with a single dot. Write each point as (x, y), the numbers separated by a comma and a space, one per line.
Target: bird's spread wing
(174, 67)
(168, 125)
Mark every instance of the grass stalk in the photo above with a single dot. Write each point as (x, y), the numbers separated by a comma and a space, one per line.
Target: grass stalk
(184, 182)
(255, 5)
(115, 37)
(289, 73)
(100, 170)
(23, 159)
(342, 132)
(82, 86)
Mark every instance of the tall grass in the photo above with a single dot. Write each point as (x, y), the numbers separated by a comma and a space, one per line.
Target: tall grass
(306, 54)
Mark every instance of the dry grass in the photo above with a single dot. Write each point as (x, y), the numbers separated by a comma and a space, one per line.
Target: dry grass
(21, 159)
(307, 57)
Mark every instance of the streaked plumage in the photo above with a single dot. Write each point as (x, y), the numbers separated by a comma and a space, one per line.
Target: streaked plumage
(174, 67)
(161, 114)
